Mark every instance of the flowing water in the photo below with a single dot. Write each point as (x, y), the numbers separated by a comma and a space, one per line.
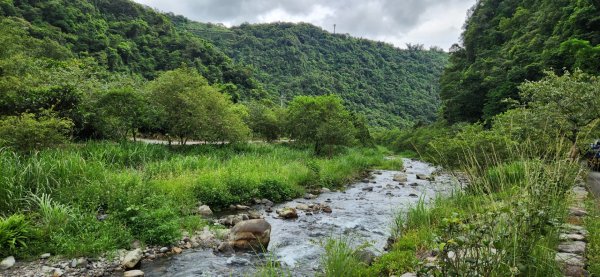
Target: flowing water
(359, 214)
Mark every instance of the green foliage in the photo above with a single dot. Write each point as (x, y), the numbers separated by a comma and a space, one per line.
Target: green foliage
(505, 43)
(121, 112)
(392, 87)
(190, 108)
(15, 233)
(341, 258)
(592, 225)
(264, 121)
(26, 132)
(157, 226)
(320, 120)
(565, 100)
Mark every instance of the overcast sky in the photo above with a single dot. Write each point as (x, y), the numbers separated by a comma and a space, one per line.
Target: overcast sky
(428, 22)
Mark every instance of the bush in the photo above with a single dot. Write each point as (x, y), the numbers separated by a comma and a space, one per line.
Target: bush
(26, 132)
(157, 226)
(15, 234)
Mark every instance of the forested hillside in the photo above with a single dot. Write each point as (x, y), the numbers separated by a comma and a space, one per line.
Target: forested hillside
(507, 42)
(121, 36)
(393, 87)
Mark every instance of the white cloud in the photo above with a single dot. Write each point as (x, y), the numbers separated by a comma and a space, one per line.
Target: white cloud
(428, 22)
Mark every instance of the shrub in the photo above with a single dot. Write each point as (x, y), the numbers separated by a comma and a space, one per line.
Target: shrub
(26, 132)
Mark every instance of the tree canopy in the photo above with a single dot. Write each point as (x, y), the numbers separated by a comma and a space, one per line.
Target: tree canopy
(505, 43)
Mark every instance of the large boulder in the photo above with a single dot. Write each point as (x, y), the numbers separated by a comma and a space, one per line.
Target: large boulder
(250, 234)
(132, 258)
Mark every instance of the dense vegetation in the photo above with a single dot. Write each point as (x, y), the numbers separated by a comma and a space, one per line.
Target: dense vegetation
(393, 87)
(507, 42)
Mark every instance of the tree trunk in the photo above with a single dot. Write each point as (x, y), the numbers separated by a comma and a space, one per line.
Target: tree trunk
(574, 152)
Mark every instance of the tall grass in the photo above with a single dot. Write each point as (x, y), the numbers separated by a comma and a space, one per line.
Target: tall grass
(150, 191)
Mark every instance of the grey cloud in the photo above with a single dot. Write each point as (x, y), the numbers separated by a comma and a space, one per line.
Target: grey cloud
(363, 18)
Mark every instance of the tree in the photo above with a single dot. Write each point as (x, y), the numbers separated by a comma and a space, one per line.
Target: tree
(321, 120)
(121, 112)
(188, 107)
(570, 100)
(264, 121)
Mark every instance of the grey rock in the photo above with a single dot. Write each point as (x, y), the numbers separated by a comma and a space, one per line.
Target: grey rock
(204, 210)
(302, 207)
(569, 259)
(287, 213)
(578, 237)
(413, 195)
(400, 177)
(132, 258)
(367, 189)
(242, 207)
(577, 211)
(45, 256)
(575, 247)
(8, 262)
(133, 273)
(408, 274)
(163, 250)
(325, 190)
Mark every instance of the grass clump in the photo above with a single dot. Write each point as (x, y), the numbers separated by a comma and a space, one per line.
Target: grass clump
(592, 224)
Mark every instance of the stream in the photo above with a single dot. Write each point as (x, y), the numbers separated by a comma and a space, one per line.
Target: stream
(363, 213)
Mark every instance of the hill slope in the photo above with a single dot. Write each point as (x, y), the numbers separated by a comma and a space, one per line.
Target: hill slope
(123, 36)
(278, 61)
(393, 87)
(507, 42)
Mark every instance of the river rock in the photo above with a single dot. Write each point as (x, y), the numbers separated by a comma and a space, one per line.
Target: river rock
(287, 213)
(254, 215)
(569, 259)
(572, 237)
(366, 256)
(413, 195)
(302, 207)
(232, 220)
(132, 258)
(204, 210)
(242, 207)
(408, 274)
(225, 247)
(163, 249)
(575, 247)
(45, 256)
(414, 184)
(251, 234)
(577, 211)
(8, 262)
(400, 177)
(325, 190)
(423, 177)
(133, 273)
(52, 271)
(367, 189)
(309, 196)
(326, 209)
(176, 250)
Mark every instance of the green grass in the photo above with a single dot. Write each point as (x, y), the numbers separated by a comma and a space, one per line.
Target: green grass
(150, 192)
(592, 224)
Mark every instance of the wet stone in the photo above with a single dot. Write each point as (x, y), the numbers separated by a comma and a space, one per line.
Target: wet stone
(567, 237)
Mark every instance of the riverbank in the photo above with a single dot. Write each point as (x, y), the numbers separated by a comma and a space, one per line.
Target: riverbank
(87, 200)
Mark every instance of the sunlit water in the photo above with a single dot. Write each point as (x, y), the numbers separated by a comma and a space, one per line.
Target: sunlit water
(359, 215)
